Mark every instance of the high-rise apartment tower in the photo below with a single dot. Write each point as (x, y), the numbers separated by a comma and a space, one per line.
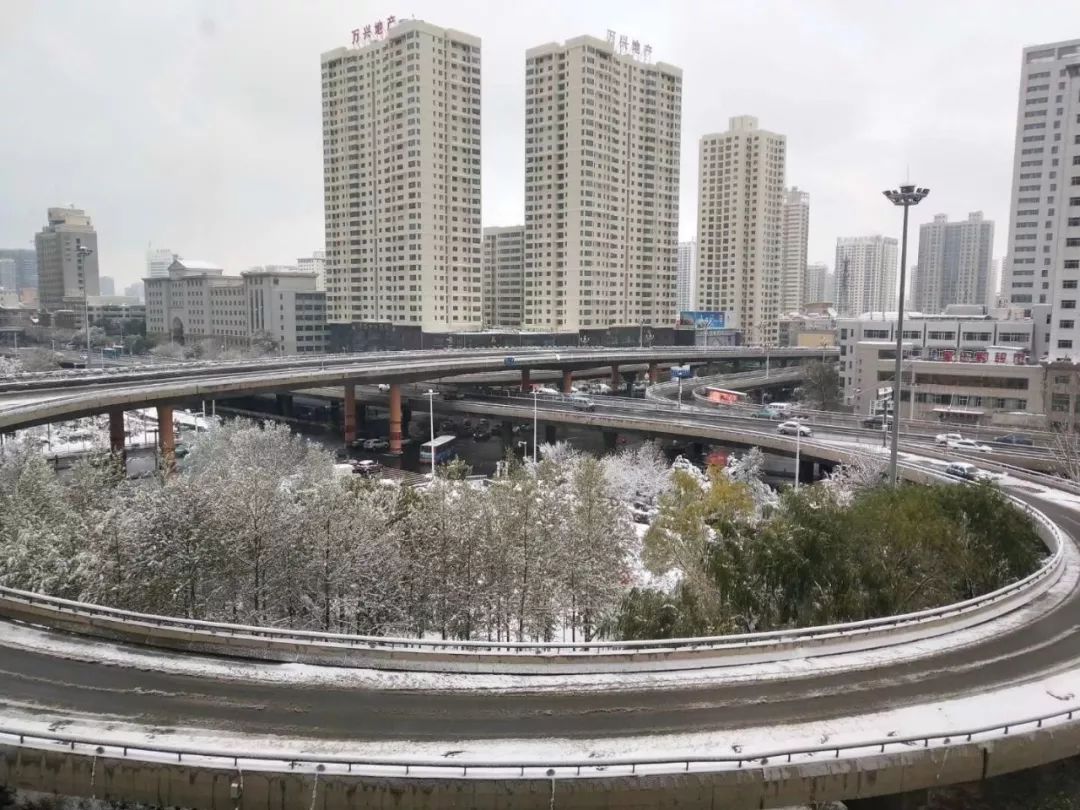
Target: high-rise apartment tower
(602, 132)
(401, 173)
(740, 226)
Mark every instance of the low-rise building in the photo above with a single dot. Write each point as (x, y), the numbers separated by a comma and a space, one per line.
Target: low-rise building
(994, 386)
(808, 329)
(197, 301)
(116, 308)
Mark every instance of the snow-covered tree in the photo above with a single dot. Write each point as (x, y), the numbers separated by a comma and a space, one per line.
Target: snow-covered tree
(748, 469)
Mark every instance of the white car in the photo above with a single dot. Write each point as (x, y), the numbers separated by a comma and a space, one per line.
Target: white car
(375, 444)
(945, 438)
(384, 387)
(969, 445)
(793, 428)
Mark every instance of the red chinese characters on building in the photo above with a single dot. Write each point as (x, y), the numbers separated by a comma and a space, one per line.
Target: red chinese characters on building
(356, 36)
(375, 30)
(982, 357)
(378, 28)
(1001, 357)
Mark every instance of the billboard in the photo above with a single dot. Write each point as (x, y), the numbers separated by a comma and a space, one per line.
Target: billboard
(702, 319)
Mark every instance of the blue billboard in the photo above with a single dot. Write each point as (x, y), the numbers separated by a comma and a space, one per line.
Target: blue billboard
(701, 319)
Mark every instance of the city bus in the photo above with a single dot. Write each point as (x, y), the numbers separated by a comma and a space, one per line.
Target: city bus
(442, 447)
(722, 396)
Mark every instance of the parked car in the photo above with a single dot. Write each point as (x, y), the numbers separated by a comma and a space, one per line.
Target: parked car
(545, 389)
(581, 403)
(961, 469)
(1016, 439)
(945, 438)
(969, 445)
(793, 428)
(384, 387)
(367, 468)
(766, 413)
(452, 395)
(375, 444)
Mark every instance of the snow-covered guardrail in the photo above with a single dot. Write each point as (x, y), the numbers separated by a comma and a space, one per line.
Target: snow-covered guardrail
(337, 649)
(511, 768)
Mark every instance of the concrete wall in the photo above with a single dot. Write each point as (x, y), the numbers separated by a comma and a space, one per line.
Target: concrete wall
(105, 773)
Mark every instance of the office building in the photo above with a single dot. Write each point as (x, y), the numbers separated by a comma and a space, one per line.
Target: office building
(686, 276)
(25, 267)
(401, 170)
(865, 274)
(9, 276)
(602, 133)
(65, 276)
(954, 263)
(793, 250)
(198, 302)
(158, 261)
(135, 291)
(968, 366)
(106, 285)
(816, 284)
(120, 309)
(504, 272)
(740, 227)
(1039, 272)
(315, 263)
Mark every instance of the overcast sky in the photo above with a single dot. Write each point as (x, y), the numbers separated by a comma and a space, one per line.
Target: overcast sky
(196, 125)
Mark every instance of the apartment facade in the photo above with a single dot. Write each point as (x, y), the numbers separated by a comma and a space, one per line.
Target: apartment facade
(865, 274)
(315, 263)
(602, 135)
(740, 227)
(817, 284)
(1039, 273)
(793, 256)
(504, 275)
(64, 276)
(401, 170)
(955, 263)
(686, 276)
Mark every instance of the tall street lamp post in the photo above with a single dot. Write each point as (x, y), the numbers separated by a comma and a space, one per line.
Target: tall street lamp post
(905, 196)
(535, 394)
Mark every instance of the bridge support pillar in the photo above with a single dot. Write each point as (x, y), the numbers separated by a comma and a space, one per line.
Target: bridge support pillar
(616, 378)
(567, 381)
(526, 383)
(654, 373)
(395, 418)
(611, 439)
(116, 432)
(284, 404)
(348, 414)
(166, 438)
(551, 434)
(805, 471)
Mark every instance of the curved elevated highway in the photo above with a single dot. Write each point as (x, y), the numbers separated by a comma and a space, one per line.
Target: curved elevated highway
(98, 702)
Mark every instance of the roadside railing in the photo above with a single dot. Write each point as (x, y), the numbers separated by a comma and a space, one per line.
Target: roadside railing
(532, 768)
(55, 611)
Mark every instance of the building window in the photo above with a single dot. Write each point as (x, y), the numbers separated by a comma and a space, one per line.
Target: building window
(1066, 324)
(1064, 344)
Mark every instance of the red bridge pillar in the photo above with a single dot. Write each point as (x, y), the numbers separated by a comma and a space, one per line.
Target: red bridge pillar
(395, 418)
(568, 381)
(526, 383)
(166, 438)
(348, 414)
(654, 373)
(116, 431)
(616, 378)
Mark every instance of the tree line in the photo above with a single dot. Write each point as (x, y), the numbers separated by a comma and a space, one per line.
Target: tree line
(259, 529)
